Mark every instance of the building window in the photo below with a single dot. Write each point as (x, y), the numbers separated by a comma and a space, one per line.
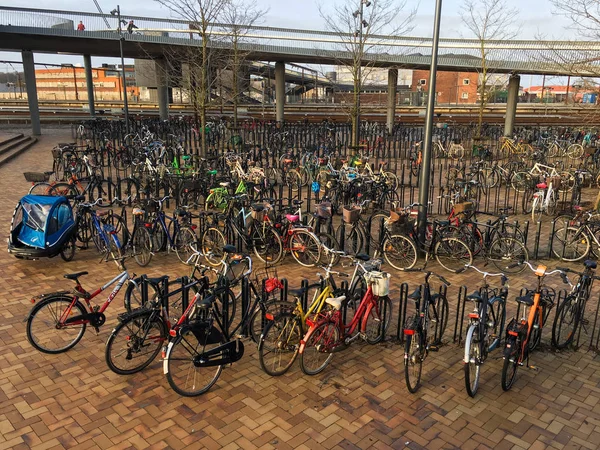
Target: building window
(465, 95)
(466, 81)
(422, 81)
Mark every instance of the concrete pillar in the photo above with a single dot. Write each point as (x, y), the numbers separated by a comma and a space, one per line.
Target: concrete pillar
(391, 105)
(32, 99)
(511, 104)
(162, 88)
(279, 90)
(89, 82)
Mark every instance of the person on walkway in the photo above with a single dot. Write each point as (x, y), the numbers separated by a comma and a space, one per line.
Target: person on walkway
(131, 26)
(81, 26)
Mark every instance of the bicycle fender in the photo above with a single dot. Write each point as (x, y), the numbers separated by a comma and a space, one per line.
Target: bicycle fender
(307, 336)
(166, 358)
(472, 330)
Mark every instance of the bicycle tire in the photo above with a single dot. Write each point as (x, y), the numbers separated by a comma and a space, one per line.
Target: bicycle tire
(353, 240)
(575, 151)
(511, 364)
(131, 343)
(379, 320)
(63, 190)
(187, 345)
(473, 361)
(504, 252)
(258, 321)
(41, 188)
(267, 244)
(133, 294)
(159, 237)
(452, 254)
(570, 244)
(212, 245)
(400, 252)
(280, 341)
(186, 244)
(535, 337)
(324, 335)
(55, 312)
(567, 314)
(437, 326)
(520, 181)
(141, 246)
(305, 248)
(413, 360)
(67, 253)
(104, 189)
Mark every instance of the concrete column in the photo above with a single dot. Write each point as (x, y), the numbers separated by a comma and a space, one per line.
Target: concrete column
(32, 99)
(279, 90)
(511, 104)
(391, 106)
(162, 88)
(89, 82)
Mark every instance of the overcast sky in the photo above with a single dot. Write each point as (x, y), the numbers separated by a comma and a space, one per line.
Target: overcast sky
(536, 18)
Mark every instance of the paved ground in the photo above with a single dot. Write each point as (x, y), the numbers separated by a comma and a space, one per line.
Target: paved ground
(73, 401)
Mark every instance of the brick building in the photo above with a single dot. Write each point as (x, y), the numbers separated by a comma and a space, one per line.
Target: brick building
(452, 88)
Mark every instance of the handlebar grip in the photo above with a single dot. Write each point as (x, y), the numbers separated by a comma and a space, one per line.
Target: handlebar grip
(564, 269)
(461, 270)
(443, 280)
(344, 275)
(517, 264)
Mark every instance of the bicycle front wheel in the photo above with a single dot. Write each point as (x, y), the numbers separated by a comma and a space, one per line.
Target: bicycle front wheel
(472, 361)
(44, 330)
(278, 345)
(213, 242)
(378, 320)
(400, 252)
(186, 244)
(413, 360)
(305, 248)
(505, 252)
(569, 244)
(142, 246)
(267, 244)
(452, 254)
(317, 350)
(566, 323)
(135, 343)
(511, 365)
(183, 374)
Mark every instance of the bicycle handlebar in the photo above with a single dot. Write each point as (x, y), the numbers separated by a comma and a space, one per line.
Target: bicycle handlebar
(428, 273)
(534, 270)
(485, 274)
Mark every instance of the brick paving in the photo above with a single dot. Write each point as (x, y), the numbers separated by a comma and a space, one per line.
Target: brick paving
(360, 401)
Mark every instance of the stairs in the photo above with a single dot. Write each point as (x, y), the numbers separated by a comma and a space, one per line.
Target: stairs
(13, 146)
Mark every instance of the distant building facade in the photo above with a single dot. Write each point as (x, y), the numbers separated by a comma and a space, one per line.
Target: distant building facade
(454, 88)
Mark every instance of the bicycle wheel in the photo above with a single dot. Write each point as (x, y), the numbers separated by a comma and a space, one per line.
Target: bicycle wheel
(212, 245)
(185, 243)
(41, 188)
(400, 252)
(520, 181)
(570, 244)
(553, 150)
(413, 360)
(104, 189)
(267, 244)
(279, 343)
(141, 246)
(317, 349)
(330, 243)
(135, 343)
(133, 294)
(566, 323)
(293, 179)
(535, 337)
(452, 254)
(511, 363)
(378, 321)
(351, 240)
(130, 190)
(258, 321)
(305, 247)
(437, 320)
(62, 189)
(183, 374)
(473, 360)
(43, 330)
(67, 253)
(504, 252)
(575, 151)
(490, 177)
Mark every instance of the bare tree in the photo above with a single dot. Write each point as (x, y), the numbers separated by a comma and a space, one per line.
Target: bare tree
(361, 26)
(202, 15)
(585, 15)
(487, 20)
(239, 16)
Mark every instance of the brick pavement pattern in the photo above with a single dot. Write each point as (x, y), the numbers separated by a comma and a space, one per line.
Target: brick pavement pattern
(74, 401)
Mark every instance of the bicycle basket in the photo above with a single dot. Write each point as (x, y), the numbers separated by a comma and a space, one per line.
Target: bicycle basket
(380, 282)
(351, 214)
(269, 275)
(36, 177)
(463, 207)
(400, 222)
(589, 151)
(556, 182)
(260, 210)
(323, 210)
(56, 153)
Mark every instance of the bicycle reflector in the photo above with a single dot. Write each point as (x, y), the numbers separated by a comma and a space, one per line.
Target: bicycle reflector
(409, 332)
(173, 333)
(269, 316)
(541, 270)
(474, 316)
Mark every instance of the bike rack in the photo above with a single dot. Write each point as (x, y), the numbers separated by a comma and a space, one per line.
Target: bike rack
(402, 305)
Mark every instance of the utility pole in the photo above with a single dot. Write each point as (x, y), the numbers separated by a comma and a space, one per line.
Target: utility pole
(358, 34)
(117, 12)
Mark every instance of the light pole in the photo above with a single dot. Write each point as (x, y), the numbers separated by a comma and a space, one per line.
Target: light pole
(358, 14)
(74, 79)
(117, 12)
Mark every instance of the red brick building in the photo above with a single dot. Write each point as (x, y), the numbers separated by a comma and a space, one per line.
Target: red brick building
(453, 88)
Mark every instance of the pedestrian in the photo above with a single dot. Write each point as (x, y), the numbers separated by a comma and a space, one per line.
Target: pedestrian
(131, 26)
(81, 26)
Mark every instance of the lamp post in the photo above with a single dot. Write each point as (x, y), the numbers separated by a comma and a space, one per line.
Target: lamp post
(117, 12)
(74, 79)
(359, 34)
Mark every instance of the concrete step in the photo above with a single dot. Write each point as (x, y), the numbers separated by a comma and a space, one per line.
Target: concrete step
(6, 139)
(15, 148)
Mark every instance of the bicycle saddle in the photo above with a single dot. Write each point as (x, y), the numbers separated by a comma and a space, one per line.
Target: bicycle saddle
(258, 207)
(292, 217)
(102, 213)
(363, 257)
(159, 280)
(475, 296)
(207, 302)
(224, 183)
(336, 302)
(298, 202)
(527, 299)
(589, 264)
(229, 249)
(541, 185)
(416, 295)
(74, 276)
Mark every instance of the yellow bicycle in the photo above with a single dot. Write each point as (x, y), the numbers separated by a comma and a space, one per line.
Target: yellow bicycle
(513, 147)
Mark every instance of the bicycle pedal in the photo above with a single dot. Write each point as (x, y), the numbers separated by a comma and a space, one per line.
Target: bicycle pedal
(433, 348)
(535, 368)
(97, 330)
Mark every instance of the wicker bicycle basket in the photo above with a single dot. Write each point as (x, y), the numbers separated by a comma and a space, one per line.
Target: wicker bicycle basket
(36, 177)
(351, 214)
(463, 207)
(400, 223)
(556, 182)
(323, 210)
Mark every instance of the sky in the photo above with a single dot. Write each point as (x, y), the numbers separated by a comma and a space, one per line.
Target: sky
(536, 18)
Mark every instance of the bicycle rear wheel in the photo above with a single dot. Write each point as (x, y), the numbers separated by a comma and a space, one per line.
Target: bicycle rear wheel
(570, 244)
(413, 360)
(317, 350)
(135, 343)
(505, 252)
(452, 254)
(566, 323)
(473, 360)
(351, 237)
(185, 243)
(278, 345)
(213, 242)
(511, 363)
(267, 244)
(141, 246)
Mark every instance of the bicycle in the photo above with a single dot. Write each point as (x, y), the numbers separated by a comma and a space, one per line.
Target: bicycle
(571, 312)
(328, 333)
(425, 330)
(486, 326)
(577, 237)
(524, 335)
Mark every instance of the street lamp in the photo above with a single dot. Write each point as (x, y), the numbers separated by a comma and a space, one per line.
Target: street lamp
(117, 12)
(362, 23)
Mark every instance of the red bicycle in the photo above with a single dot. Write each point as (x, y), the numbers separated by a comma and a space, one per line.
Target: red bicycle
(328, 334)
